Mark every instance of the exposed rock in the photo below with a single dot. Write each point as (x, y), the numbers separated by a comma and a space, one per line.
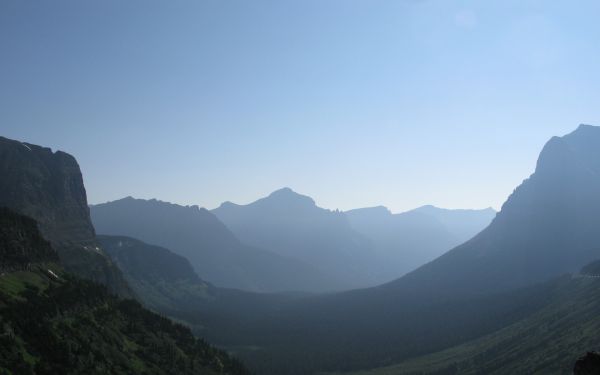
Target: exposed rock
(48, 187)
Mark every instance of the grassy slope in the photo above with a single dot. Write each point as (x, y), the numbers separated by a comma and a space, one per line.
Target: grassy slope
(548, 342)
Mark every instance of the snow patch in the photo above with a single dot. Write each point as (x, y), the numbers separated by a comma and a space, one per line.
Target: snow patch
(27, 147)
(53, 274)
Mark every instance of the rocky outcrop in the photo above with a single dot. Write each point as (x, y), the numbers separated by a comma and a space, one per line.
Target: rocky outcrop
(48, 187)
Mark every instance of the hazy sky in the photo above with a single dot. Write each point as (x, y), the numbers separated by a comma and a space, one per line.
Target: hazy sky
(353, 102)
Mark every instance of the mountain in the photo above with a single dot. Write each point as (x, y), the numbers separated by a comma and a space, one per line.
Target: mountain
(407, 240)
(547, 342)
(48, 187)
(54, 323)
(461, 223)
(292, 225)
(546, 228)
(214, 252)
(167, 283)
(163, 280)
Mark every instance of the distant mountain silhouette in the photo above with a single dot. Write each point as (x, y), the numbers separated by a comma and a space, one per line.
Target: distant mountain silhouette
(461, 223)
(214, 252)
(410, 239)
(48, 187)
(292, 225)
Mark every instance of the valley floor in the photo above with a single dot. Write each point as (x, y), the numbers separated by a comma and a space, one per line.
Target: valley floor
(548, 342)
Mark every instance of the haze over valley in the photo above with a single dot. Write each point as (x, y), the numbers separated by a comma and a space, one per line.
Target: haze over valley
(329, 187)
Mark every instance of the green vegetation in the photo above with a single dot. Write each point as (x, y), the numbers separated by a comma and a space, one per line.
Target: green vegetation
(72, 326)
(54, 323)
(547, 342)
(161, 279)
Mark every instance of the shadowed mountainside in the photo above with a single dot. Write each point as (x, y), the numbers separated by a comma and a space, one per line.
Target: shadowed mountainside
(547, 342)
(546, 227)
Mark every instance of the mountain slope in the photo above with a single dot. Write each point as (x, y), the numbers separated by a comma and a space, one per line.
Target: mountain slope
(48, 187)
(547, 342)
(546, 227)
(292, 225)
(163, 280)
(214, 252)
(53, 323)
(410, 239)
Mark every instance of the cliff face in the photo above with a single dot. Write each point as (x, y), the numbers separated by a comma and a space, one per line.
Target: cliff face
(48, 187)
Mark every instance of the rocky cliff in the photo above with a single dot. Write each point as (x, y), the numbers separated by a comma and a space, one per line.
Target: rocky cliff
(48, 187)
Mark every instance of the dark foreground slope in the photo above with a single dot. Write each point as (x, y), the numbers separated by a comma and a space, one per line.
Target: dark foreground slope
(214, 252)
(48, 187)
(54, 323)
(547, 342)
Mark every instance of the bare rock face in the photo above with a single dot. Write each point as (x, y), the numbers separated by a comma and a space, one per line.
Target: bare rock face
(589, 364)
(48, 187)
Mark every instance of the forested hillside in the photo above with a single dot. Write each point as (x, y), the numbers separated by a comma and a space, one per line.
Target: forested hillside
(54, 323)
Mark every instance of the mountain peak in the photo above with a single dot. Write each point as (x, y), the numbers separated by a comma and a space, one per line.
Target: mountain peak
(284, 191)
(579, 147)
(288, 195)
(586, 127)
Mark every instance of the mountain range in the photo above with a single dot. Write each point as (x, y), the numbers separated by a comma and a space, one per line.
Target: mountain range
(547, 227)
(212, 249)
(410, 239)
(375, 245)
(520, 296)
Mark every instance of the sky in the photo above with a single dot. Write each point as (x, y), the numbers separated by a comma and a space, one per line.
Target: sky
(353, 102)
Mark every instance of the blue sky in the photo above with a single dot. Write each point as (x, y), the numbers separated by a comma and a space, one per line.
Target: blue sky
(353, 102)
